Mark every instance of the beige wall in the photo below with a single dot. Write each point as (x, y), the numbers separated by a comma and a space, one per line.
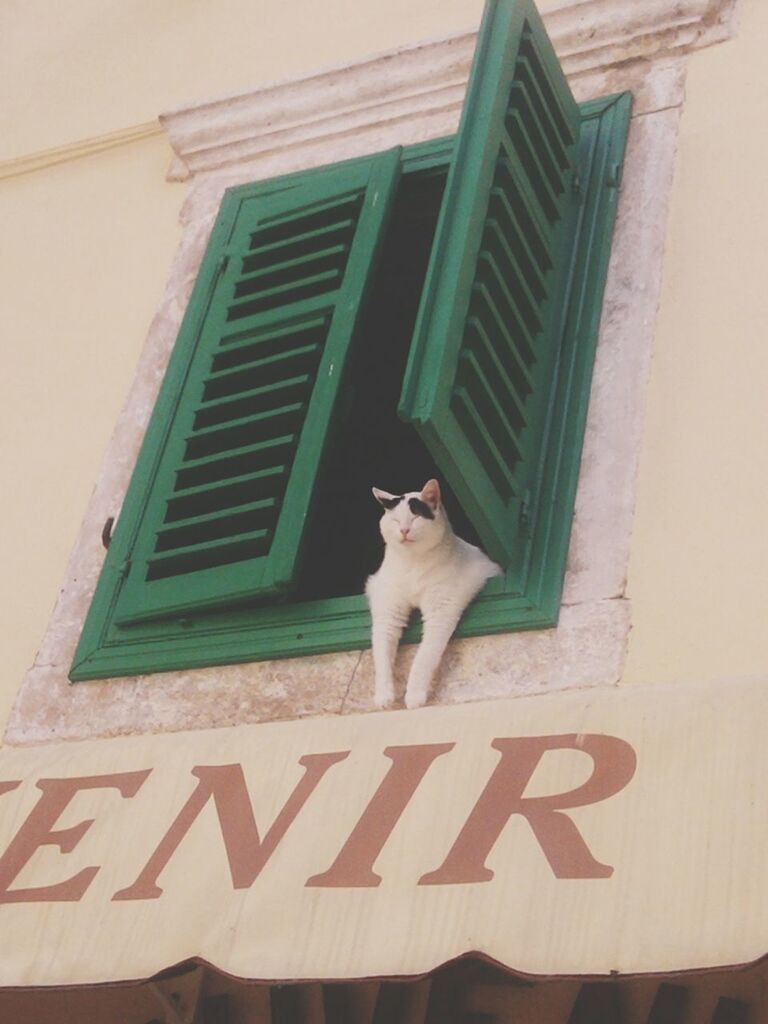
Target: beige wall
(84, 255)
(111, 65)
(87, 245)
(699, 568)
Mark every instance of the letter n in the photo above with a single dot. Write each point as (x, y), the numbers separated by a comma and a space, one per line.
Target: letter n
(246, 852)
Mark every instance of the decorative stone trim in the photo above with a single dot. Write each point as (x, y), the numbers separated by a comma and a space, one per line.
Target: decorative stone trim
(590, 34)
(427, 81)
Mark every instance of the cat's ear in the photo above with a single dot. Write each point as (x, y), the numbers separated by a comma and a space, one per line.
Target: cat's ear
(384, 498)
(430, 493)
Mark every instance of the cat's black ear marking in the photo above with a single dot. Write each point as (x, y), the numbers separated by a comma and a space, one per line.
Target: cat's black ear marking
(386, 499)
(430, 493)
(420, 508)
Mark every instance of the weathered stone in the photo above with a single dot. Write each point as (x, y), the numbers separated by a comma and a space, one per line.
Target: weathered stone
(586, 649)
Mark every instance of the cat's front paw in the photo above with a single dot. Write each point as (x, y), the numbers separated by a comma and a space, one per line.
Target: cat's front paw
(415, 698)
(384, 696)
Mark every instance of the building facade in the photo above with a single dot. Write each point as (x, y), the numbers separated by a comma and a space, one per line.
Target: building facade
(643, 692)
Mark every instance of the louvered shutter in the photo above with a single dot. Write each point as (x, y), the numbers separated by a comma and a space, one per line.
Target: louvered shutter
(270, 323)
(479, 379)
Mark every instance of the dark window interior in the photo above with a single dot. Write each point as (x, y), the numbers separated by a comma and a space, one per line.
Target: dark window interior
(369, 446)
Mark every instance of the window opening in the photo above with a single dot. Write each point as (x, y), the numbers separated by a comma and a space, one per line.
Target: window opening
(369, 444)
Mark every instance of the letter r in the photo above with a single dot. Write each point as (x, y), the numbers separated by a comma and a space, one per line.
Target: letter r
(561, 842)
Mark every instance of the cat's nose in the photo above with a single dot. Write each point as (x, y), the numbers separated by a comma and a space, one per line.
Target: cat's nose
(404, 531)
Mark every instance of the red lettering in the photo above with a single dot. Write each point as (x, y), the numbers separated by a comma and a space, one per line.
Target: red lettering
(38, 831)
(354, 865)
(561, 842)
(246, 852)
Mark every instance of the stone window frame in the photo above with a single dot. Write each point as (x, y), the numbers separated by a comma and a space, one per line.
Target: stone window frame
(399, 98)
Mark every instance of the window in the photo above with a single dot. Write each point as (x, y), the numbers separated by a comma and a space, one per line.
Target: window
(483, 336)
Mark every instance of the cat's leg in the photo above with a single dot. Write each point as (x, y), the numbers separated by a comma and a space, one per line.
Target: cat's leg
(389, 617)
(439, 622)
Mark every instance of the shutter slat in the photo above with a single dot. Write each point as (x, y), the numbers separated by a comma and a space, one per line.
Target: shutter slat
(290, 269)
(510, 239)
(529, 80)
(485, 345)
(264, 254)
(510, 188)
(305, 217)
(520, 150)
(549, 76)
(495, 410)
(258, 450)
(235, 483)
(491, 357)
(240, 433)
(522, 105)
(513, 179)
(268, 319)
(214, 525)
(486, 316)
(293, 292)
(271, 396)
(257, 373)
(235, 464)
(514, 289)
(246, 345)
(490, 290)
(239, 491)
(475, 427)
(215, 552)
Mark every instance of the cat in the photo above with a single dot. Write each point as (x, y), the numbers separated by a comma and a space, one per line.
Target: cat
(425, 566)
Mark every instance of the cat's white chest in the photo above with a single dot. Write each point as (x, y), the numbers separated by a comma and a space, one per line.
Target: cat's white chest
(414, 578)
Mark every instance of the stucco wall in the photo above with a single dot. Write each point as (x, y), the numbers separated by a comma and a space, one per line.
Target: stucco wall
(85, 250)
(111, 65)
(699, 563)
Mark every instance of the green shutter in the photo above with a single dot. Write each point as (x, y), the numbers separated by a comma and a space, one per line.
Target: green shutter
(270, 324)
(479, 381)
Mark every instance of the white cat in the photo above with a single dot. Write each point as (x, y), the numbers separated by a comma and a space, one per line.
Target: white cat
(426, 566)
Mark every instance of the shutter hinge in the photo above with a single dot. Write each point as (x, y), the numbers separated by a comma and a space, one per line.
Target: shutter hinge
(225, 258)
(614, 176)
(124, 569)
(106, 532)
(576, 185)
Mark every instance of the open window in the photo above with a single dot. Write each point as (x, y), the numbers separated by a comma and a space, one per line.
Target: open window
(420, 311)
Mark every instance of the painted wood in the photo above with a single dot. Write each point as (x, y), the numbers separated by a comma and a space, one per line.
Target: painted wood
(224, 484)
(481, 368)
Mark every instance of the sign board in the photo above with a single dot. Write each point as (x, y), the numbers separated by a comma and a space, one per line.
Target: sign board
(580, 833)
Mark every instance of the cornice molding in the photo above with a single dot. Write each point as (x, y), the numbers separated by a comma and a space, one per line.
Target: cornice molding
(597, 34)
(427, 81)
(424, 81)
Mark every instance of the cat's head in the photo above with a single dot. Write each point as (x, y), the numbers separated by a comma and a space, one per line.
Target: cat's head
(414, 520)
